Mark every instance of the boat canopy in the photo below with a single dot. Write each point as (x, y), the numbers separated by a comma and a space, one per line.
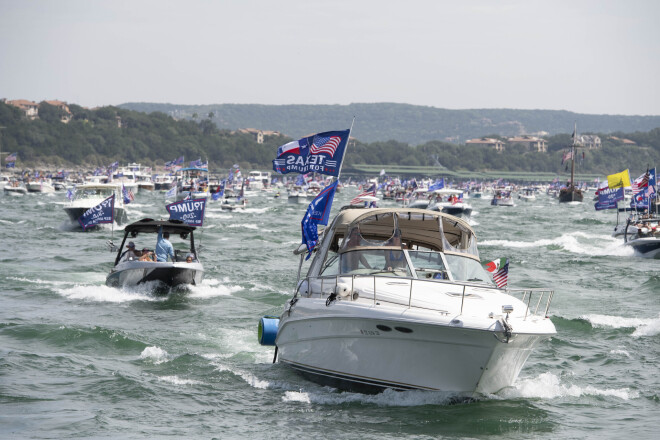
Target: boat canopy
(151, 226)
(401, 227)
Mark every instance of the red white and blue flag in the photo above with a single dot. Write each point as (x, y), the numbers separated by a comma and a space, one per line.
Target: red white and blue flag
(370, 192)
(11, 158)
(128, 194)
(500, 270)
(321, 153)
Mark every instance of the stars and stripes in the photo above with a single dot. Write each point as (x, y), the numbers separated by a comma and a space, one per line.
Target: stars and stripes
(11, 157)
(128, 194)
(639, 183)
(500, 270)
(370, 192)
(326, 145)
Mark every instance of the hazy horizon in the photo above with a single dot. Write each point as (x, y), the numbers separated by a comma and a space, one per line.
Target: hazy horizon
(589, 57)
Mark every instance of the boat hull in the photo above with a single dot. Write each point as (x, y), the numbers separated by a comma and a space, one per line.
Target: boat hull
(15, 191)
(646, 247)
(169, 274)
(357, 354)
(568, 195)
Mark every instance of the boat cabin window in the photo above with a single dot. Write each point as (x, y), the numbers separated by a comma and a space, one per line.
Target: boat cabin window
(428, 265)
(331, 266)
(467, 269)
(386, 262)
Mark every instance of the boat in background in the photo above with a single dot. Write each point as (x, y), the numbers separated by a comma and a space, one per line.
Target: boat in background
(450, 201)
(644, 239)
(129, 271)
(527, 194)
(40, 186)
(192, 183)
(571, 193)
(89, 195)
(502, 198)
(15, 188)
(397, 298)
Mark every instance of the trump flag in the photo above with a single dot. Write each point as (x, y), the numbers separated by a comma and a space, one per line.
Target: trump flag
(318, 212)
(321, 153)
(190, 211)
(101, 213)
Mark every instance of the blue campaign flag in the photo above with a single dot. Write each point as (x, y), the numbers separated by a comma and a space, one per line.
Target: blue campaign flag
(104, 212)
(71, 193)
(189, 211)
(607, 198)
(321, 153)
(439, 184)
(10, 165)
(318, 213)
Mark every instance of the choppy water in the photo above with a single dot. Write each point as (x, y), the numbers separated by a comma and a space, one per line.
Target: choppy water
(79, 359)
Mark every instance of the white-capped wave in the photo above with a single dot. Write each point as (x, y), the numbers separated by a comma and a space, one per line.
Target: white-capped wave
(154, 354)
(249, 378)
(388, 397)
(244, 226)
(642, 326)
(176, 380)
(549, 386)
(212, 287)
(102, 293)
(592, 244)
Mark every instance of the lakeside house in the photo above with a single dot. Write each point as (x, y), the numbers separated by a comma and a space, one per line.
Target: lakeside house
(532, 143)
(497, 144)
(30, 109)
(259, 134)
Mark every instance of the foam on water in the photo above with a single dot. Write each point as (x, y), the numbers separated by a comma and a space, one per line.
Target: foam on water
(249, 378)
(102, 293)
(155, 355)
(212, 287)
(549, 386)
(642, 326)
(388, 397)
(176, 380)
(604, 245)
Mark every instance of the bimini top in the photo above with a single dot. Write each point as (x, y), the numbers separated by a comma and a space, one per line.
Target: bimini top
(401, 227)
(151, 225)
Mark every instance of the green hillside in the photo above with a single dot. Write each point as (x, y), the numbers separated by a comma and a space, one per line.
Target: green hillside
(411, 124)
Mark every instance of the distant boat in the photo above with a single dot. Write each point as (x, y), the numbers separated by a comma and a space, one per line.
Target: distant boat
(87, 196)
(571, 193)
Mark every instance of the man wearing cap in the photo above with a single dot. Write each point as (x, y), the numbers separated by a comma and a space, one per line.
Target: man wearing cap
(130, 253)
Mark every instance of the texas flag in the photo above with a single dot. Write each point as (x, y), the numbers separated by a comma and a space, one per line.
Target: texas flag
(295, 147)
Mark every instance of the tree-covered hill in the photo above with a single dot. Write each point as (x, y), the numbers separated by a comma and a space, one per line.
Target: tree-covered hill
(406, 123)
(108, 134)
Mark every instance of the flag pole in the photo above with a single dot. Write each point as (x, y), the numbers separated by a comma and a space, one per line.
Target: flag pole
(347, 141)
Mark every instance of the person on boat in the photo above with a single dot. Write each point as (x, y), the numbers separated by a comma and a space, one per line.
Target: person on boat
(130, 253)
(147, 255)
(189, 258)
(164, 248)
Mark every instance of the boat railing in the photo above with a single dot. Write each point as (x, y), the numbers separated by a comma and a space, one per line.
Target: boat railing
(534, 299)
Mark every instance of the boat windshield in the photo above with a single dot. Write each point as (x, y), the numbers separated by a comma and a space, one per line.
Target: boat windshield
(388, 262)
(92, 193)
(467, 269)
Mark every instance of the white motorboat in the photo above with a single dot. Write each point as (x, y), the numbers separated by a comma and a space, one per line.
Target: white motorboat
(527, 194)
(502, 198)
(193, 183)
(89, 195)
(163, 183)
(258, 180)
(397, 298)
(40, 186)
(297, 195)
(644, 237)
(131, 271)
(450, 201)
(15, 188)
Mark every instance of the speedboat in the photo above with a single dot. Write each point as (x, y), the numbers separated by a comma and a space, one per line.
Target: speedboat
(502, 198)
(193, 184)
(450, 201)
(297, 195)
(644, 237)
(163, 182)
(129, 271)
(233, 204)
(15, 188)
(527, 194)
(398, 298)
(89, 195)
(40, 186)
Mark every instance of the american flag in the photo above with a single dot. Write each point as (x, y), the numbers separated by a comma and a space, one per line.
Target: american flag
(370, 192)
(641, 182)
(325, 145)
(11, 158)
(128, 194)
(501, 277)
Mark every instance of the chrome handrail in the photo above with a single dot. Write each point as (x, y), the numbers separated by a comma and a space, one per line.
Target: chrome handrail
(524, 294)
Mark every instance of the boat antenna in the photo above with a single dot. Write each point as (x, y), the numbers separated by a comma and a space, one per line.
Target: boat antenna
(347, 142)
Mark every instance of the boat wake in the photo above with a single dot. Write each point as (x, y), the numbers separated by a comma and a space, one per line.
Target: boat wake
(549, 386)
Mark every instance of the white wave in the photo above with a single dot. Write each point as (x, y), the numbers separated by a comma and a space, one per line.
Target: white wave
(220, 216)
(108, 294)
(249, 378)
(211, 288)
(642, 326)
(600, 245)
(244, 226)
(154, 354)
(256, 210)
(548, 386)
(386, 398)
(176, 380)
(622, 352)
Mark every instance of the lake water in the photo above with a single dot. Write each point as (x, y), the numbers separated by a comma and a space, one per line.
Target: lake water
(82, 360)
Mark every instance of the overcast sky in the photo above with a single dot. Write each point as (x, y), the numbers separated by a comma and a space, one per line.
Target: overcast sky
(591, 56)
